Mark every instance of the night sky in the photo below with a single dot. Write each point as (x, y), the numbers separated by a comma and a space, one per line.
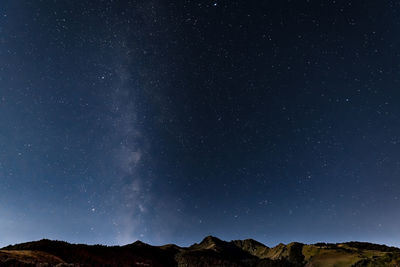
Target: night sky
(167, 121)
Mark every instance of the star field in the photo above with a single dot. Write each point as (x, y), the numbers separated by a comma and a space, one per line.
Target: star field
(170, 121)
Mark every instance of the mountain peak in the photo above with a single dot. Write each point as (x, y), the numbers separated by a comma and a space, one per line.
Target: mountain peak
(211, 239)
(209, 242)
(138, 243)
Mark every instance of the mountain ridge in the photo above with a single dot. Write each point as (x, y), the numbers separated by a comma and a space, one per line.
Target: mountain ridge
(211, 251)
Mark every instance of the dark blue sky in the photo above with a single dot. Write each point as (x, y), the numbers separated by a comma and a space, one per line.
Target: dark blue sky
(167, 121)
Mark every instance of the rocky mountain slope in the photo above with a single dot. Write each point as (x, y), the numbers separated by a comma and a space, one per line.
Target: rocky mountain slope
(209, 252)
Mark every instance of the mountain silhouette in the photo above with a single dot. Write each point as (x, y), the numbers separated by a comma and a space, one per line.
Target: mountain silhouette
(211, 251)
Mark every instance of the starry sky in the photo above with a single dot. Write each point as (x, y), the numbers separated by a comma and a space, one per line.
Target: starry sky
(167, 121)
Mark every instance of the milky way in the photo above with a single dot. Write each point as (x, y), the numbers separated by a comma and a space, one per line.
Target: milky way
(166, 122)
